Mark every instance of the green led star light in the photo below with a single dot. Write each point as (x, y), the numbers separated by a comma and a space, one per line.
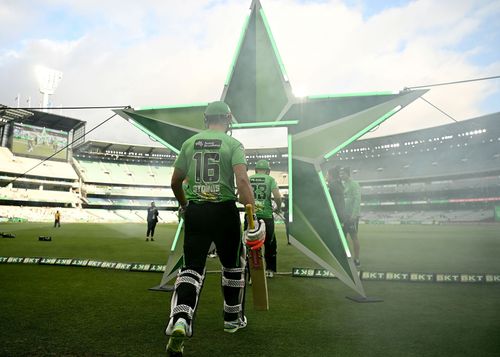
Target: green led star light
(259, 94)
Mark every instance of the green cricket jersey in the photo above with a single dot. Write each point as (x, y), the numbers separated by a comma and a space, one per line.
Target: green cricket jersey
(352, 194)
(263, 185)
(208, 158)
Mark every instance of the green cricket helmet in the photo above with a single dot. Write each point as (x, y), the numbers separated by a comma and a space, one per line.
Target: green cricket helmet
(218, 111)
(262, 165)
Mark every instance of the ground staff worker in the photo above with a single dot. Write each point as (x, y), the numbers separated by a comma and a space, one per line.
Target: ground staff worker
(263, 186)
(211, 160)
(152, 221)
(57, 219)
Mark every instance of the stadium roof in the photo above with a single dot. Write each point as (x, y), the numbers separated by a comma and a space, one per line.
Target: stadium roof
(95, 146)
(11, 114)
(39, 118)
(267, 151)
(53, 121)
(490, 122)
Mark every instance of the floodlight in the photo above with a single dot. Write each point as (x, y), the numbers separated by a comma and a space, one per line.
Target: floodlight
(48, 80)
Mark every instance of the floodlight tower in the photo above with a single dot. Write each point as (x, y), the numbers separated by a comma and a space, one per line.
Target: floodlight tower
(48, 80)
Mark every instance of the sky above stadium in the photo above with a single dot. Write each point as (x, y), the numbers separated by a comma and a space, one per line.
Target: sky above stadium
(151, 53)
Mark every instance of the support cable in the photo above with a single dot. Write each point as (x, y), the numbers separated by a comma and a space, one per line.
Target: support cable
(439, 109)
(455, 82)
(74, 107)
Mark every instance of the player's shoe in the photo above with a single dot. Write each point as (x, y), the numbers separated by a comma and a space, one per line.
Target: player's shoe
(233, 326)
(152, 240)
(357, 263)
(147, 239)
(174, 354)
(175, 345)
(269, 273)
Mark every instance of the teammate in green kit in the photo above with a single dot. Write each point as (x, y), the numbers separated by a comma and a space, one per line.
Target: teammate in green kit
(211, 160)
(352, 195)
(263, 186)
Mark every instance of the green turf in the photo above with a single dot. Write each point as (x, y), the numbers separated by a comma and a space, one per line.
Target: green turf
(20, 146)
(72, 311)
(121, 242)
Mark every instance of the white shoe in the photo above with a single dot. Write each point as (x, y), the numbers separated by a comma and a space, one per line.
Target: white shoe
(269, 273)
(233, 326)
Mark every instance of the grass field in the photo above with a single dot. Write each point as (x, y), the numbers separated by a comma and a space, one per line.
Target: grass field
(20, 146)
(72, 311)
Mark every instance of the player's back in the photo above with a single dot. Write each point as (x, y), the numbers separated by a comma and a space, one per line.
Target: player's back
(263, 185)
(208, 158)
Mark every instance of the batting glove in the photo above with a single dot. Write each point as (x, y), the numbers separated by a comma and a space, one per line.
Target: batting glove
(254, 238)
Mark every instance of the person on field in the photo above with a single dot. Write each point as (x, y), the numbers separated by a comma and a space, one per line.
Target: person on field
(57, 219)
(352, 196)
(336, 189)
(152, 219)
(212, 161)
(264, 189)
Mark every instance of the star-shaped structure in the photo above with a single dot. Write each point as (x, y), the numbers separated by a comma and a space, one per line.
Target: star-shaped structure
(259, 94)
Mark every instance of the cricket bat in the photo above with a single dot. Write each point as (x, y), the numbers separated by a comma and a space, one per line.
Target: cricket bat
(257, 266)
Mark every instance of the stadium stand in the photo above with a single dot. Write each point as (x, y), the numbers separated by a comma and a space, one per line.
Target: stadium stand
(450, 171)
(123, 173)
(17, 165)
(51, 182)
(119, 176)
(426, 217)
(28, 137)
(445, 174)
(19, 194)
